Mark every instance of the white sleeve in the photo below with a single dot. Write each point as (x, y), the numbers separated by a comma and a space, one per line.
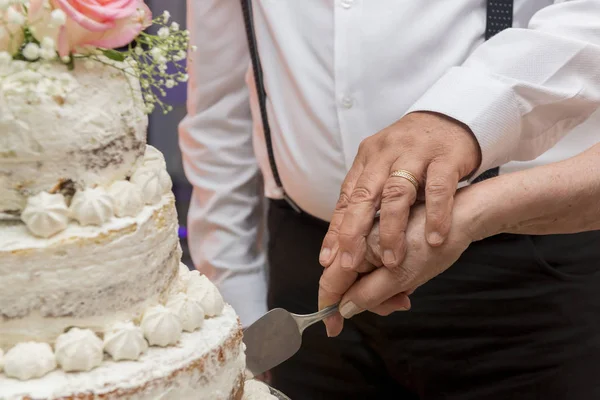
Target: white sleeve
(524, 89)
(225, 217)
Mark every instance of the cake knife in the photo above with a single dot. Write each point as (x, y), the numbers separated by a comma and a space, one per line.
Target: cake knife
(277, 336)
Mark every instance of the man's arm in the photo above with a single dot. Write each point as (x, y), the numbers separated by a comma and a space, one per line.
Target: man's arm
(514, 98)
(224, 220)
(553, 199)
(523, 90)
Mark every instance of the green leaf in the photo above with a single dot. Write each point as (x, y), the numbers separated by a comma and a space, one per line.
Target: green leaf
(114, 55)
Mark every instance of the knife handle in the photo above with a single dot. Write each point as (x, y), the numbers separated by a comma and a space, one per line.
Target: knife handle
(304, 321)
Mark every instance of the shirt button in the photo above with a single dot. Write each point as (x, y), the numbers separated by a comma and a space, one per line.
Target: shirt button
(346, 3)
(347, 102)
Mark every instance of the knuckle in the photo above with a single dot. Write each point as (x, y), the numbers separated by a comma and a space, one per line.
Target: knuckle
(365, 145)
(438, 187)
(362, 194)
(401, 274)
(439, 149)
(389, 140)
(344, 198)
(365, 298)
(387, 235)
(396, 189)
(399, 137)
(435, 217)
(350, 239)
(331, 237)
(328, 287)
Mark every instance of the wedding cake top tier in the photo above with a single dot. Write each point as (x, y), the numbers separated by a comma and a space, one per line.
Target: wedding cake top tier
(66, 129)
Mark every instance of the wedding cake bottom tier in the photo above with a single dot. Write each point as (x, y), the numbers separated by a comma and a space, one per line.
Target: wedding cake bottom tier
(206, 364)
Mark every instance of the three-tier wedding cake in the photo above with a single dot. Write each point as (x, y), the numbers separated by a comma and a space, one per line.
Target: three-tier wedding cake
(94, 303)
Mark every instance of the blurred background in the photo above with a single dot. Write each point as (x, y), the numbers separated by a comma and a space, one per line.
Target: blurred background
(162, 132)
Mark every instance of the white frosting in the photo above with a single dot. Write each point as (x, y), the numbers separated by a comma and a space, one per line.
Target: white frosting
(154, 158)
(28, 360)
(78, 350)
(46, 214)
(92, 206)
(256, 390)
(152, 181)
(184, 271)
(85, 126)
(155, 371)
(199, 287)
(161, 326)
(127, 199)
(188, 310)
(180, 284)
(86, 276)
(125, 341)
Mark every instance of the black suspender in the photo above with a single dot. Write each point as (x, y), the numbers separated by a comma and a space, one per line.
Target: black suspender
(262, 97)
(499, 17)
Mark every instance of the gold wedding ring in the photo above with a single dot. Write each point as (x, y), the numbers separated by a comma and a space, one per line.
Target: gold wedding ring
(402, 173)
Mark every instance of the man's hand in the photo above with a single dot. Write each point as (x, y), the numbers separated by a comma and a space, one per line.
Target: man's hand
(437, 150)
(335, 281)
(378, 291)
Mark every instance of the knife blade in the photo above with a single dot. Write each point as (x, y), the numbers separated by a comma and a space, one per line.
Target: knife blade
(277, 336)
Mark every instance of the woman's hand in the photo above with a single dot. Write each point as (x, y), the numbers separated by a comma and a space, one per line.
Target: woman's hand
(386, 290)
(422, 263)
(335, 281)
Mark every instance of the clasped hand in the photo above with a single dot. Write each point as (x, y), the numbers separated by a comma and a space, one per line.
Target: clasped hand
(375, 267)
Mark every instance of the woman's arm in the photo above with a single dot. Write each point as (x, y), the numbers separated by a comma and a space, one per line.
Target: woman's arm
(559, 198)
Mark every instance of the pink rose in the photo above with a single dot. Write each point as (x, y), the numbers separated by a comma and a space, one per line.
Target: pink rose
(106, 24)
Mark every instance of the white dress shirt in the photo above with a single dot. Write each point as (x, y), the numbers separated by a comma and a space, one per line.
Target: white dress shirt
(339, 71)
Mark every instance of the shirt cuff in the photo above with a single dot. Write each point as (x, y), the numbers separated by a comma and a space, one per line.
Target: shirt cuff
(247, 294)
(488, 105)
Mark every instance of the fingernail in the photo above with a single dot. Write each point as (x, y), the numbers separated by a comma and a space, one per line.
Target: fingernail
(346, 260)
(324, 256)
(389, 258)
(349, 309)
(327, 321)
(435, 239)
(404, 309)
(327, 330)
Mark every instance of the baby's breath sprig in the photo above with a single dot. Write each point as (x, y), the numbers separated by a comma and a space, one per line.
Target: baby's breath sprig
(149, 56)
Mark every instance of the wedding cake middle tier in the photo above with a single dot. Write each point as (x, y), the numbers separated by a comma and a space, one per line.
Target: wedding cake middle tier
(103, 256)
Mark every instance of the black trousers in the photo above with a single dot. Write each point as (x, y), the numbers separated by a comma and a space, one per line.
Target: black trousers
(517, 317)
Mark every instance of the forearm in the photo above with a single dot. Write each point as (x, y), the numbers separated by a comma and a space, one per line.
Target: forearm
(554, 199)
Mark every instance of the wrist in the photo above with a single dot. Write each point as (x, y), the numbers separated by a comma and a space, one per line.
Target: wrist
(475, 212)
